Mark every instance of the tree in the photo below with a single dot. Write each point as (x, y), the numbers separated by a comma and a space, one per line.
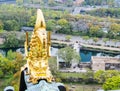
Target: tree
(81, 25)
(86, 38)
(102, 76)
(112, 83)
(31, 22)
(1, 25)
(18, 62)
(11, 55)
(95, 39)
(68, 37)
(114, 29)
(100, 34)
(22, 39)
(65, 26)
(11, 40)
(99, 76)
(6, 66)
(68, 55)
(11, 25)
(88, 75)
(53, 65)
(50, 25)
(93, 30)
(62, 22)
(105, 39)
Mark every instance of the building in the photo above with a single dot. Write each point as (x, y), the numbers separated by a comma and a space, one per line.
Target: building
(117, 3)
(105, 63)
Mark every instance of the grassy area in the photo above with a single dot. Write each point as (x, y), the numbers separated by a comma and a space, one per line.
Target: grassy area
(14, 81)
(80, 87)
(67, 75)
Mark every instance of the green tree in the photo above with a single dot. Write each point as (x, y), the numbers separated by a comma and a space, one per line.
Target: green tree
(112, 83)
(11, 40)
(102, 76)
(114, 29)
(53, 65)
(111, 73)
(100, 34)
(1, 25)
(86, 37)
(68, 55)
(6, 66)
(50, 25)
(87, 75)
(31, 22)
(65, 26)
(11, 25)
(68, 37)
(1, 73)
(22, 39)
(99, 76)
(62, 22)
(93, 30)
(105, 40)
(18, 62)
(95, 39)
(11, 55)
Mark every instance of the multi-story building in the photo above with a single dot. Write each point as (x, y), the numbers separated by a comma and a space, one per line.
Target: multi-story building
(117, 3)
(105, 63)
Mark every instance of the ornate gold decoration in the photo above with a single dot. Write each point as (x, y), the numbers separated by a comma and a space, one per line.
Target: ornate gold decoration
(39, 52)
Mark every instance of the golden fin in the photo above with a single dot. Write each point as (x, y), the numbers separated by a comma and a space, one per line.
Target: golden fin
(40, 21)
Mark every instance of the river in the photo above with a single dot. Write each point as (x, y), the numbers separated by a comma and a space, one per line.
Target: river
(84, 54)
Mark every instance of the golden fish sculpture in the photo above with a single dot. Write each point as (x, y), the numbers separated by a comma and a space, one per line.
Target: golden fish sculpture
(39, 52)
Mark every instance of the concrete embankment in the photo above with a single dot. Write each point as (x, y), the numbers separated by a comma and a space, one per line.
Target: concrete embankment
(101, 48)
(91, 47)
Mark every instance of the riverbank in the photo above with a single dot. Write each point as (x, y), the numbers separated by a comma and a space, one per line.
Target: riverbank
(101, 49)
(59, 41)
(91, 47)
